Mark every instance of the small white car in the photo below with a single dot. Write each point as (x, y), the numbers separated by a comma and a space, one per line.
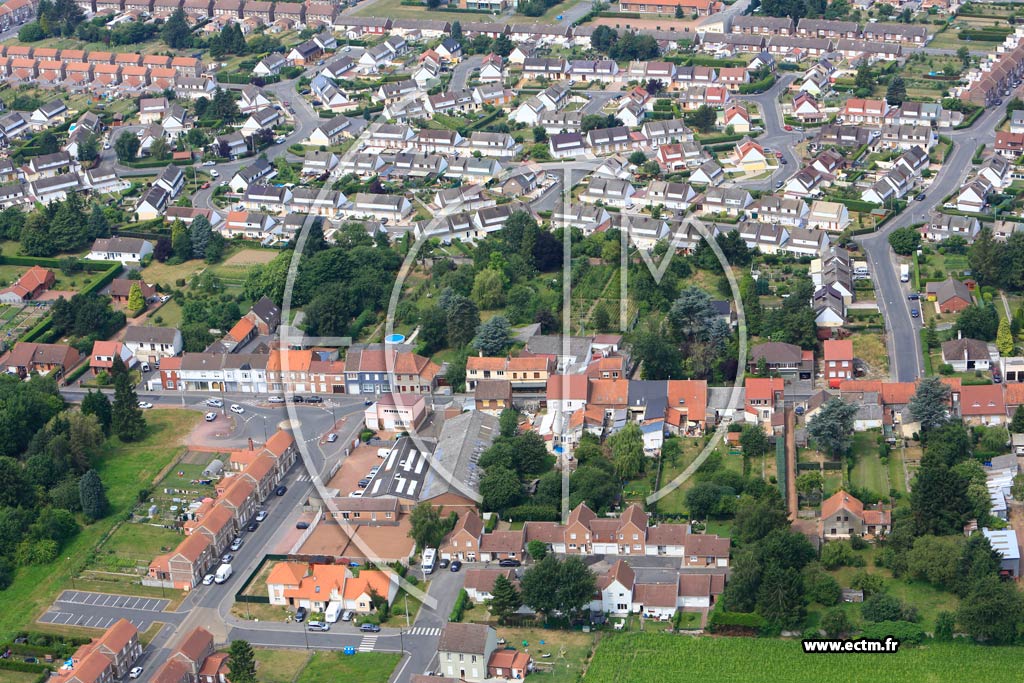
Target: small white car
(208, 579)
(275, 399)
(145, 405)
(261, 515)
(135, 672)
(165, 298)
(356, 494)
(215, 403)
(332, 437)
(215, 173)
(106, 145)
(209, 163)
(235, 408)
(210, 417)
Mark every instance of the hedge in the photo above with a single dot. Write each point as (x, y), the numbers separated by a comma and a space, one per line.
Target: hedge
(46, 262)
(903, 631)
(158, 164)
(721, 620)
(619, 15)
(831, 465)
(808, 466)
(534, 513)
(25, 667)
(460, 606)
(757, 86)
(854, 204)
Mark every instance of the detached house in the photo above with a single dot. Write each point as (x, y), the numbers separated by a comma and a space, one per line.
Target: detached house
(843, 516)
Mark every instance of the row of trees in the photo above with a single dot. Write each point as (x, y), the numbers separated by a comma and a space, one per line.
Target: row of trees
(46, 471)
(624, 47)
(996, 263)
(58, 227)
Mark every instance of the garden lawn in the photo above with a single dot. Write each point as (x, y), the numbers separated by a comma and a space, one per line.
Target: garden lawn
(569, 651)
(7, 676)
(869, 472)
(136, 543)
(657, 658)
(279, 666)
(124, 469)
(364, 667)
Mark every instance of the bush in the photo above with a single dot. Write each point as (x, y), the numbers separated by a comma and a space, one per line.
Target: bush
(903, 631)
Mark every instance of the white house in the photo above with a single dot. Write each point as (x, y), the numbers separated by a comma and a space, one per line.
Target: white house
(123, 249)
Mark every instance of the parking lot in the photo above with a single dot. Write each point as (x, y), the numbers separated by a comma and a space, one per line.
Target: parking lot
(100, 610)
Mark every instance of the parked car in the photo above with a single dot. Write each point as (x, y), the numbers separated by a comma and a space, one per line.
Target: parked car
(209, 163)
(301, 525)
(280, 490)
(787, 127)
(205, 186)
(332, 437)
(235, 408)
(913, 296)
(226, 558)
(215, 403)
(318, 626)
(300, 614)
(298, 399)
(443, 563)
(914, 313)
(208, 579)
(997, 377)
(145, 405)
(210, 417)
(921, 197)
(253, 526)
(275, 399)
(314, 399)
(370, 628)
(363, 483)
(237, 543)
(509, 562)
(356, 494)
(214, 173)
(347, 615)
(261, 515)
(135, 672)
(456, 566)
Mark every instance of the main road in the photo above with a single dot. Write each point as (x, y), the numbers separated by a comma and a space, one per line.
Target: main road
(904, 339)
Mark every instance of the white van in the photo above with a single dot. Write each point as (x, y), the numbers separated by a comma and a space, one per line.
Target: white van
(223, 573)
(429, 558)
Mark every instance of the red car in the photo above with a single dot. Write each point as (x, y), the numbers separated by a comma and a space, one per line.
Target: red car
(787, 127)
(204, 186)
(778, 155)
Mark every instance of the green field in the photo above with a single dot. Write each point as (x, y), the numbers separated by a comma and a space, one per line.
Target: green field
(657, 658)
(365, 667)
(124, 468)
(280, 666)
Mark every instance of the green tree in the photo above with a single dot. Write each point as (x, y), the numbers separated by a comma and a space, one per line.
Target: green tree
(127, 420)
(1017, 423)
(896, 93)
(627, 451)
(904, 241)
(929, 404)
(500, 489)
(538, 550)
(93, 496)
(175, 31)
(552, 585)
(980, 321)
(945, 622)
(160, 150)
(835, 623)
(126, 147)
(809, 483)
(602, 318)
(200, 233)
(1004, 338)
(463, 319)
(864, 80)
(96, 403)
(505, 599)
(136, 302)
(881, 607)
(704, 498)
(703, 118)
(426, 526)
(831, 428)
(753, 441)
(181, 242)
(494, 336)
(679, 12)
(508, 422)
(780, 597)
(964, 55)
(98, 225)
(88, 148)
(242, 661)
(992, 612)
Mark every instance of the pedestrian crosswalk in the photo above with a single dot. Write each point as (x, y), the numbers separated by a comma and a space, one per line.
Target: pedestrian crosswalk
(304, 477)
(368, 643)
(424, 631)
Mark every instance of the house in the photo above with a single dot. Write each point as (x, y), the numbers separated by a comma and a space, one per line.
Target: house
(32, 283)
(611, 191)
(1009, 144)
(943, 226)
(1006, 544)
(952, 296)
(479, 583)
(464, 651)
(806, 108)
(270, 65)
(737, 117)
(252, 99)
(858, 110)
(395, 412)
(492, 395)
(781, 211)
(259, 170)
(782, 359)
(105, 659)
(966, 354)
(973, 197)
(830, 216)
(52, 113)
(981, 404)
(838, 358)
(710, 173)
(127, 250)
(104, 353)
(261, 119)
(749, 157)
(732, 201)
(29, 357)
(843, 516)
(565, 145)
(151, 344)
